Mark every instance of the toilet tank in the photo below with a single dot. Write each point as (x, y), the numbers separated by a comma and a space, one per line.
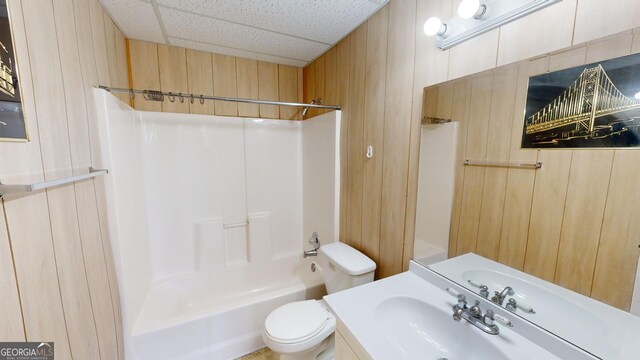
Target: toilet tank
(344, 267)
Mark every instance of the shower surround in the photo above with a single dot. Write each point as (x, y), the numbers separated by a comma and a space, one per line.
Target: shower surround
(208, 218)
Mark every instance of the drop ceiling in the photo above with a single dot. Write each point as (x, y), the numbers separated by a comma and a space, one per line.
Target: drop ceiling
(291, 32)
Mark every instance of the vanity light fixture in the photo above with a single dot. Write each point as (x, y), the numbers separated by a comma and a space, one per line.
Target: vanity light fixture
(476, 17)
(471, 9)
(434, 26)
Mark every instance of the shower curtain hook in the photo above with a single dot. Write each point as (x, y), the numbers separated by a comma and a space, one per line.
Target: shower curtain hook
(172, 98)
(202, 99)
(181, 98)
(132, 95)
(191, 99)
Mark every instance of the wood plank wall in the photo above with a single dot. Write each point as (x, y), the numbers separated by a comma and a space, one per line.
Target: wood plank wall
(57, 274)
(58, 280)
(175, 69)
(573, 222)
(382, 68)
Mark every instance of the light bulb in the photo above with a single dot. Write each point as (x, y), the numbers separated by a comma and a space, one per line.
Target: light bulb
(637, 96)
(470, 8)
(433, 26)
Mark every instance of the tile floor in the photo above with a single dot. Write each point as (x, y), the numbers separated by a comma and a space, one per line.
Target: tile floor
(264, 354)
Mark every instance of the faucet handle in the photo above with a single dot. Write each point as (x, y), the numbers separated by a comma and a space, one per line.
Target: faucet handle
(452, 292)
(475, 309)
(462, 301)
(314, 240)
(457, 314)
(484, 291)
(488, 318)
(525, 307)
(502, 320)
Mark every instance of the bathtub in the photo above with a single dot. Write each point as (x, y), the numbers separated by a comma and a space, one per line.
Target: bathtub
(208, 217)
(195, 318)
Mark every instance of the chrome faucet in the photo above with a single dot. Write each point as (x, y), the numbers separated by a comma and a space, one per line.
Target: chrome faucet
(499, 297)
(474, 316)
(315, 241)
(484, 291)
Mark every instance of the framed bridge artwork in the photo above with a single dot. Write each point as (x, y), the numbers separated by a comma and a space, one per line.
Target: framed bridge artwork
(591, 106)
(12, 122)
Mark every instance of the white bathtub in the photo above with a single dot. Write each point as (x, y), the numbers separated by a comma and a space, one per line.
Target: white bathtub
(191, 318)
(208, 217)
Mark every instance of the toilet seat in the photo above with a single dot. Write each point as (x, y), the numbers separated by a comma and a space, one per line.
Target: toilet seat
(296, 322)
(298, 326)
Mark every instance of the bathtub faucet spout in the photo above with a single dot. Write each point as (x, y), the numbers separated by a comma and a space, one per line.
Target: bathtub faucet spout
(315, 241)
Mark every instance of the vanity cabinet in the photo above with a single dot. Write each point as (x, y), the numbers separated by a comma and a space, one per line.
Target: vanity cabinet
(347, 347)
(343, 350)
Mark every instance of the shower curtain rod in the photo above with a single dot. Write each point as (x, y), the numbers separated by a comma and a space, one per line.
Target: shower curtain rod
(155, 95)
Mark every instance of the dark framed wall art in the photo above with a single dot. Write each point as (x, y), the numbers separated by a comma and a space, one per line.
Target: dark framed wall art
(591, 106)
(12, 122)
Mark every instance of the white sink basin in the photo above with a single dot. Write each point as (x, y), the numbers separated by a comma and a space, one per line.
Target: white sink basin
(594, 326)
(550, 307)
(418, 330)
(407, 317)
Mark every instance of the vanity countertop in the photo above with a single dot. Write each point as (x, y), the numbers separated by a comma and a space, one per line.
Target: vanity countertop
(603, 330)
(407, 317)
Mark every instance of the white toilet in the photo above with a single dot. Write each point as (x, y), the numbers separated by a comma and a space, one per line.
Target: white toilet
(303, 330)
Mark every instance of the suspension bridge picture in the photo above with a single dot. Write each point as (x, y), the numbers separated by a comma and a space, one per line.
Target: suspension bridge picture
(591, 106)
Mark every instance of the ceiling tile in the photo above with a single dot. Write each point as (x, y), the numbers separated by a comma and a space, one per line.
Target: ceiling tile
(137, 19)
(234, 52)
(204, 29)
(291, 32)
(326, 21)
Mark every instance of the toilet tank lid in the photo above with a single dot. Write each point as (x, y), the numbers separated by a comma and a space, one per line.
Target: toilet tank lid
(347, 259)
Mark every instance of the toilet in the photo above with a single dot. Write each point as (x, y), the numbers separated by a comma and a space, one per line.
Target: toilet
(303, 330)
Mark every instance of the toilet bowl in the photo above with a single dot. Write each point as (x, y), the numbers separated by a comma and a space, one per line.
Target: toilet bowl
(304, 330)
(300, 330)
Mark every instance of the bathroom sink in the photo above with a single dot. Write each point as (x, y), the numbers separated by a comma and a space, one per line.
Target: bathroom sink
(410, 316)
(547, 304)
(553, 305)
(418, 330)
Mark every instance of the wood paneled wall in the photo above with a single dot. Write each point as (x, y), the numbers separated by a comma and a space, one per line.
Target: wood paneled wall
(573, 222)
(58, 280)
(377, 74)
(367, 74)
(57, 274)
(174, 69)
